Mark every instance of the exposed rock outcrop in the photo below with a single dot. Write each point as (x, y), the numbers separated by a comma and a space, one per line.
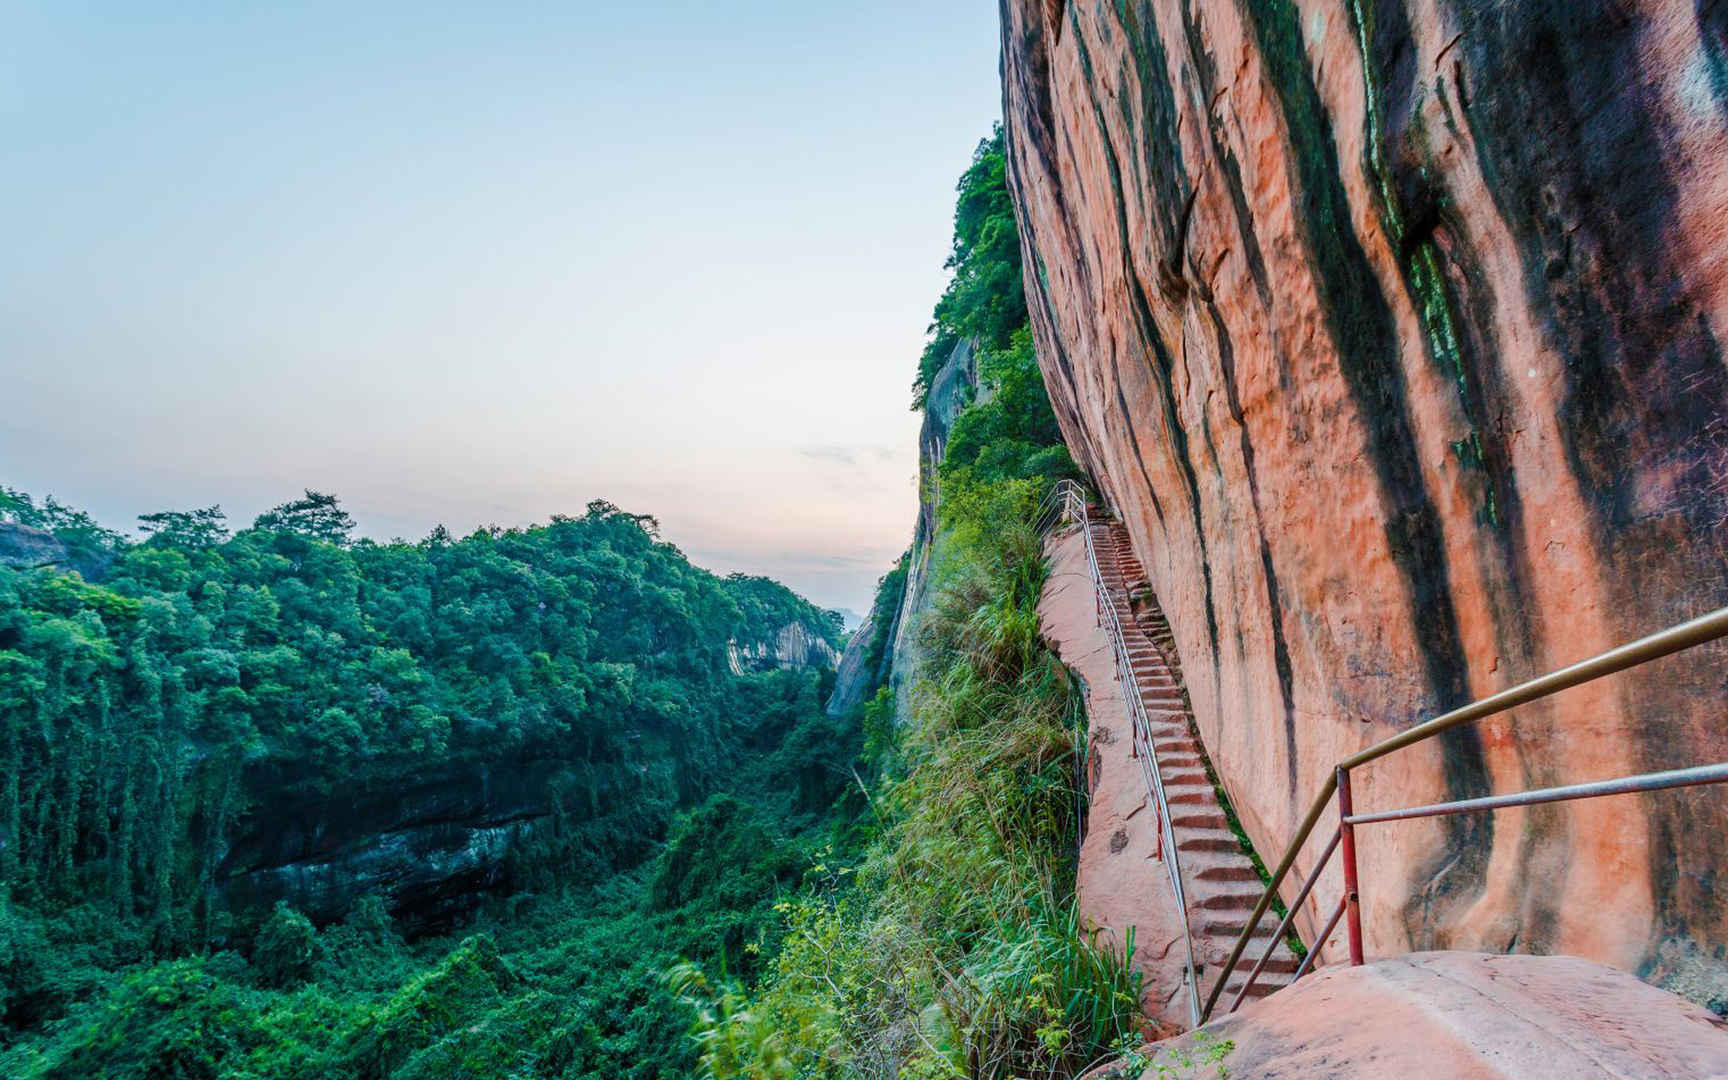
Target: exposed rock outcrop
(23, 547)
(857, 676)
(954, 387)
(884, 650)
(795, 646)
(1393, 333)
(1462, 1016)
(436, 847)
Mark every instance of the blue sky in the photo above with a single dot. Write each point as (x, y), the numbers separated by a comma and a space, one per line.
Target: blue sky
(482, 263)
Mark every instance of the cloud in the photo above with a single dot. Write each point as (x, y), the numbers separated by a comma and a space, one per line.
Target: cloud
(838, 455)
(850, 456)
(801, 560)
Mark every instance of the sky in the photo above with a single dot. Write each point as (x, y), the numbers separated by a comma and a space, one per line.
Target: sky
(479, 264)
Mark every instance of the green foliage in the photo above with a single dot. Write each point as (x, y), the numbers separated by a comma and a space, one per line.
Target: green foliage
(209, 683)
(442, 1014)
(285, 947)
(176, 1020)
(959, 951)
(721, 869)
(1199, 1057)
(950, 945)
(87, 544)
(863, 896)
(193, 530)
(1012, 434)
(200, 681)
(316, 516)
(890, 594)
(985, 300)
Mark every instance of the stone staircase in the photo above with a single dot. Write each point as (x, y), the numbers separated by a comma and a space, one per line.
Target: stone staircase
(1220, 880)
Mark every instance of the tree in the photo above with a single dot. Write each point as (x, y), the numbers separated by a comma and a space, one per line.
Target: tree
(285, 948)
(985, 301)
(317, 516)
(193, 529)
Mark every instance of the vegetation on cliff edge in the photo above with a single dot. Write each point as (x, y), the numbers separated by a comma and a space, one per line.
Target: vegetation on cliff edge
(951, 945)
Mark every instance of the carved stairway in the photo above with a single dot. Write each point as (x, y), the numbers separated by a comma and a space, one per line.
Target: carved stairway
(1218, 877)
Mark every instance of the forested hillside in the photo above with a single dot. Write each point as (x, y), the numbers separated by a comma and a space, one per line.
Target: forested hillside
(284, 804)
(250, 780)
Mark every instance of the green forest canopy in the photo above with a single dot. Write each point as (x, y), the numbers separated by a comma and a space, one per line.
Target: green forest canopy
(865, 878)
(214, 702)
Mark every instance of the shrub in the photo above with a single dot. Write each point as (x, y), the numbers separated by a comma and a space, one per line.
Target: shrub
(285, 948)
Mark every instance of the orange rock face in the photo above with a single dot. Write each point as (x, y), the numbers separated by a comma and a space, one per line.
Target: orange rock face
(1393, 332)
(1462, 1016)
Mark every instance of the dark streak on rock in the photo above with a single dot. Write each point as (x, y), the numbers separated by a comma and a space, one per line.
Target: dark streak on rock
(1207, 74)
(1593, 212)
(1162, 366)
(1280, 647)
(1360, 321)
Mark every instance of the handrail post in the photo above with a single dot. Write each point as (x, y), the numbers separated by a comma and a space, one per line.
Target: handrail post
(1347, 845)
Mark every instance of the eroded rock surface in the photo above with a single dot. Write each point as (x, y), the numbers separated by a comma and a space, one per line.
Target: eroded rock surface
(954, 387)
(795, 646)
(1463, 1016)
(1393, 332)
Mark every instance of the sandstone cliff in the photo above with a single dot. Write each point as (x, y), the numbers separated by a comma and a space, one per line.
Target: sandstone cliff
(23, 547)
(794, 646)
(952, 390)
(1393, 333)
(896, 651)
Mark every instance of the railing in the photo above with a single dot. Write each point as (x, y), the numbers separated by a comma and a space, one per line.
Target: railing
(1664, 643)
(1067, 501)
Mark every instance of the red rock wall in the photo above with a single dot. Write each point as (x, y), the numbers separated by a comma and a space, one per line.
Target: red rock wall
(1393, 330)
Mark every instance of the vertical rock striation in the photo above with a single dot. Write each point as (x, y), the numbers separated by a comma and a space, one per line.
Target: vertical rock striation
(1393, 332)
(954, 387)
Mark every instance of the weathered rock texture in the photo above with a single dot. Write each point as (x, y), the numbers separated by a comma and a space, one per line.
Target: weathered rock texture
(1463, 1016)
(22, 547)
(954, 387)
(856, 676)
(1393, 331)
(436, 847)
(795, 646)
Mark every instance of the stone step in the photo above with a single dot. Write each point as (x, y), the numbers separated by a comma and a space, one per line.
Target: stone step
(1209, 841)
(1229, 900)
(1234, 870)
(1282, 963)
(1228, 929)
(1199, 819)
(1171, 748)
(1189, 796)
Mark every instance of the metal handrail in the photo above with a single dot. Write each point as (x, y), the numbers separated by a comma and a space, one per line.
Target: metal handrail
(1067, 499)
(1675, 639)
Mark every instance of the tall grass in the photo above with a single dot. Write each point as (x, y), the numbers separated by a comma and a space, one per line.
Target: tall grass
(958, 952)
